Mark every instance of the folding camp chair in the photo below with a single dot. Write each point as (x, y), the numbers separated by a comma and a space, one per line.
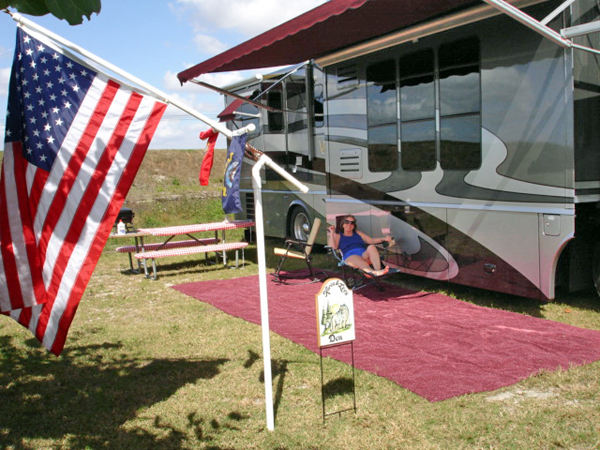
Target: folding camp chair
(305, 249)
(356, 278)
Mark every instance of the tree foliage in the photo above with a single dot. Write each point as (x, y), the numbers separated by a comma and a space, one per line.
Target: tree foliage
(73, 11)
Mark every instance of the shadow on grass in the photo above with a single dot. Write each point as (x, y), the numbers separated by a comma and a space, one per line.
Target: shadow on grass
(498, 300)
(278, 371)
(337, 387)
(175, 267)
(84, 398)
(583, 299)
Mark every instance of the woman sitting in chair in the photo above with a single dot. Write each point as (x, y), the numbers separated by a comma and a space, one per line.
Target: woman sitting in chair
(358, 249)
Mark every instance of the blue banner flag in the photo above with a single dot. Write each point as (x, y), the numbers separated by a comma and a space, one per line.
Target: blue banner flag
(231, 181)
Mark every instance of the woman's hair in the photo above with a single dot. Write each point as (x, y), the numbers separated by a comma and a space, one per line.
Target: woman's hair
(340, 229)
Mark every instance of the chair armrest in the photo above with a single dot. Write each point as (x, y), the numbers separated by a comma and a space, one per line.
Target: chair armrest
(335, 253)
(303, 244)
(385, 246)
(293, 241)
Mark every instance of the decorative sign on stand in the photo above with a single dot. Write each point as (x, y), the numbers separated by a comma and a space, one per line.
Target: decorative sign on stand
(335, 325)
(335, 313)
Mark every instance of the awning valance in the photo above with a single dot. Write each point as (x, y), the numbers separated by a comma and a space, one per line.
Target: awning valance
(332, 26)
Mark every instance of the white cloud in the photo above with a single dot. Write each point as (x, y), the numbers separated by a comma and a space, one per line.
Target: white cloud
(204, 100)
(6, 52)
(171, 83)
(4, 79)
(178, 129)
(248, 18)
(209, 44)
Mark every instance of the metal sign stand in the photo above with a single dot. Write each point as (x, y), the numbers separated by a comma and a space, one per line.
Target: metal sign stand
(326, 414)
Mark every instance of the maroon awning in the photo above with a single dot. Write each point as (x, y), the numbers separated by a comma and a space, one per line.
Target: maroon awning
(332, 26)
(229, 112)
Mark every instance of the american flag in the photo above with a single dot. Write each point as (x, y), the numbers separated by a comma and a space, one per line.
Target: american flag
(74, 141)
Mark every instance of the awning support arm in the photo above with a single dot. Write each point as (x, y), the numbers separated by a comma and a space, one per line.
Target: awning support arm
(556, 12)
(529, 21)
(294, 70)
(244, 99)
(541, 27)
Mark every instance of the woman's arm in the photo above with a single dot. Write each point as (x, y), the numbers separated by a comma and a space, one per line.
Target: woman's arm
(370, 240)
(333, 239)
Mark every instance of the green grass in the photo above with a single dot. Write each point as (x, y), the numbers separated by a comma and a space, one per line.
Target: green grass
(146, 367)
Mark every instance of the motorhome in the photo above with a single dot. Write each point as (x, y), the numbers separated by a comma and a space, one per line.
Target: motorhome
(472, 139)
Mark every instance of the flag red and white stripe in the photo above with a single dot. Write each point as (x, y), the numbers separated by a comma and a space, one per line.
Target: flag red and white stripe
(72, 150)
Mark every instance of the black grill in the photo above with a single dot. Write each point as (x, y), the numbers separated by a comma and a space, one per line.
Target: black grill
(126, 215)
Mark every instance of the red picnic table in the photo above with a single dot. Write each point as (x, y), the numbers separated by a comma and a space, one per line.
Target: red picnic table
(194, 244)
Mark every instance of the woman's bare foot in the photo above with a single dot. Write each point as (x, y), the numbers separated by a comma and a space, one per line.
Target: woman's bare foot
(377, 273)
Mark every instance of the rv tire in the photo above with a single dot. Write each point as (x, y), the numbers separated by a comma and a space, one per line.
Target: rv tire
(299, 224)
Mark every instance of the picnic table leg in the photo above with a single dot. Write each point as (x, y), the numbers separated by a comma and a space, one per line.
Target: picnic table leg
(131, 261)
(145, 264)
(154, 269)
(224, 253)
(138, 244)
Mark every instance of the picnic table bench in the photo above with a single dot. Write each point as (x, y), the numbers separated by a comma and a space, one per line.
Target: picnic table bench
(194, 245)
(154, 254)
(168, 245)
(138, 237)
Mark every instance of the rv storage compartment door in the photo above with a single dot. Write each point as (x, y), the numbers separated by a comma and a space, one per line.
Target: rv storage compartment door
(348, 163)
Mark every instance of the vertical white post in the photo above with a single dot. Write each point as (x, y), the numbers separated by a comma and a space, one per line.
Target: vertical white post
(262, 275)
(262, 283)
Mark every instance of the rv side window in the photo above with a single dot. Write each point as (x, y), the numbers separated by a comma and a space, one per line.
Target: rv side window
(275, 118)
(460, 105)
(245, 114)
(296, 101)
(417, 111)
(296, 96)
(587, 98)
(318, 106)
(381, 117)
(346, 77)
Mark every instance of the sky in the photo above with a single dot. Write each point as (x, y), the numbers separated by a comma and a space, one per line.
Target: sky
(154, 40)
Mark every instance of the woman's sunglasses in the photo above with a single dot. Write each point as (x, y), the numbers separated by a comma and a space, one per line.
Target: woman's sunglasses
(349, 222)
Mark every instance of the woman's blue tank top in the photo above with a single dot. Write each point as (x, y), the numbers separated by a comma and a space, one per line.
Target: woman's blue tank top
(351, 245)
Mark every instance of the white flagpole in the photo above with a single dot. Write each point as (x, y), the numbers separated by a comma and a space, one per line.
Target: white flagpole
(262, 275)
(256, 182)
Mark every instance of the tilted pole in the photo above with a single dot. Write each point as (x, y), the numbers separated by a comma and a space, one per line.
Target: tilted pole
(262, 274)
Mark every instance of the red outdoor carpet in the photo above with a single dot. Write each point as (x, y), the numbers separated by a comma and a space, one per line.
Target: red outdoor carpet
(436, 346)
